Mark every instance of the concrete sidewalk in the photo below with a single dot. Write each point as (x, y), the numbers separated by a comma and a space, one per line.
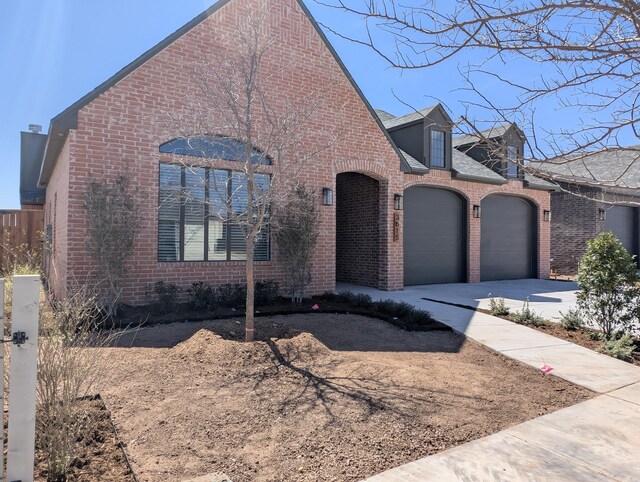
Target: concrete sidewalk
(546, 297)
(594, 440)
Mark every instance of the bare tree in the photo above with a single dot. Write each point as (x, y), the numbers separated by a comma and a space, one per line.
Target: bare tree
(112, 217)
(238, 121)
(586, 50)
(296, 233)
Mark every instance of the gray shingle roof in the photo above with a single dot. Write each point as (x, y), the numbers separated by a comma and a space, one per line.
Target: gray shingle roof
(495, 131)
(383, 115)
(416, 166)
(617, 168)
(407, 118)
(534, 182)
(467, 168)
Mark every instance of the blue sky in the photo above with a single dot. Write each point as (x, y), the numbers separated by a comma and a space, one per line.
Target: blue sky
(52, 52)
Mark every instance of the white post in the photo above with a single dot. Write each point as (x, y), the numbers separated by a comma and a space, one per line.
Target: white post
(2, 375)
(22, 377)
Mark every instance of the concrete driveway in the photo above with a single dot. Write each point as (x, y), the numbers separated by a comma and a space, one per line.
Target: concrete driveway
(548, 298)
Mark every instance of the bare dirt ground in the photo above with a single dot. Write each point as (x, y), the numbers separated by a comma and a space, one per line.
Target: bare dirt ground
(100, 455)
(323, 398)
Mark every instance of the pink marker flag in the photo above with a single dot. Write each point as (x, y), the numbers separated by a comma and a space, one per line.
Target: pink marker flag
(546, 369)
(315, 307)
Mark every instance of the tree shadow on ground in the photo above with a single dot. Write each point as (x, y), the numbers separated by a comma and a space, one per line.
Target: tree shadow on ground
(336, 332)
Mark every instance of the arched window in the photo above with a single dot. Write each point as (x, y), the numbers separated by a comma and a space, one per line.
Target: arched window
(213, 147)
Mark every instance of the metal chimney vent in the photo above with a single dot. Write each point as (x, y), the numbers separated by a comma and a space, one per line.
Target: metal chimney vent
(35, 128)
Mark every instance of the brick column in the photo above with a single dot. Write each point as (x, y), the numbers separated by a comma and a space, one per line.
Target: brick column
(473, 241)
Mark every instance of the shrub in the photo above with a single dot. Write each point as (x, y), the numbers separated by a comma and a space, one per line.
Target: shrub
(401, 310)
(385, 306)
(295, 231)
(68, 365)
(361, 300)
(202, 296)
(112, 223)
(343, 296)
(621, 347)
(232, 295)
(527, 316)
(571, 320)
(418, 317)
(166, 297)
(608, 294)
(267, 292)
(497, 307)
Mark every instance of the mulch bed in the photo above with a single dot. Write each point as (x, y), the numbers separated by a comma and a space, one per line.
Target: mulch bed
(101, 458)
(582, 336)
(319, 397)
(144, 315)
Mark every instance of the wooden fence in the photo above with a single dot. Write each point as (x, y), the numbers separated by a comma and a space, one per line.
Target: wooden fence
(21, 235)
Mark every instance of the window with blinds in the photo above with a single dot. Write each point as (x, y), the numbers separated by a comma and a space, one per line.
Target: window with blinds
(199, 214)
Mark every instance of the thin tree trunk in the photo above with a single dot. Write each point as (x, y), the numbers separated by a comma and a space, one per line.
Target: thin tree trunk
(250, 319)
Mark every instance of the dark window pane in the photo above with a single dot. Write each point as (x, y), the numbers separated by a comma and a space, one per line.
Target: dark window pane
(512, 168)
(437, 148)
(238, 193)
(238, 245)
(213, 147)
(169, 213)
(194, 202)
(185, 207)
(217, 240)
(218, 194)
(261, 250)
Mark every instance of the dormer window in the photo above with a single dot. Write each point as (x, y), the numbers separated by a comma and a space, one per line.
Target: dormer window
(513, 153)
(438, 145)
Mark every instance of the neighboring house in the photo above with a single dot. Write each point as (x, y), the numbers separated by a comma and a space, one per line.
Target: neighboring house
(579, 213)
(462, 221)
(32, 146)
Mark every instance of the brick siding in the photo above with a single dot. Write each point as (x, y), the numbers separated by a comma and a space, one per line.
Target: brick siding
(574, 221)
(120, 132)
(357, 229)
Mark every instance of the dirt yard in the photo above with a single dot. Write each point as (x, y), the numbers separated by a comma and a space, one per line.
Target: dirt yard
(324, 398)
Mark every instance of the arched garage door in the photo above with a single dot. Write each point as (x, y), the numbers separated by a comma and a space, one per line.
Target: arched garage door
(622, 221)
(434, 236)
(507, 238)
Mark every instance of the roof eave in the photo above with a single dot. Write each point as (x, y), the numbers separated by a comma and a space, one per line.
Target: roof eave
(470, 177)
(540, 187)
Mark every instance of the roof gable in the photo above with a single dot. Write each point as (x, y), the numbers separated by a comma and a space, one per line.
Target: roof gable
(391, 122)
(495, 132)
(68, 119)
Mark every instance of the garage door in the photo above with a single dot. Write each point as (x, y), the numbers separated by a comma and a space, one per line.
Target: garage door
(621, 221)
(433, 236)
(506, 239)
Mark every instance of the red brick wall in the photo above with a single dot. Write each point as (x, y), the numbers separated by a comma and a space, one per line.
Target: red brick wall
(56, 213)
(121, 131)
(474, 192)
(357, 229)
(575, 220)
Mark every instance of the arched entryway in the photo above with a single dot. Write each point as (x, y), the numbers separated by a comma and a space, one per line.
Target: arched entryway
(357, 229)
(508, 238)
(434, 236)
